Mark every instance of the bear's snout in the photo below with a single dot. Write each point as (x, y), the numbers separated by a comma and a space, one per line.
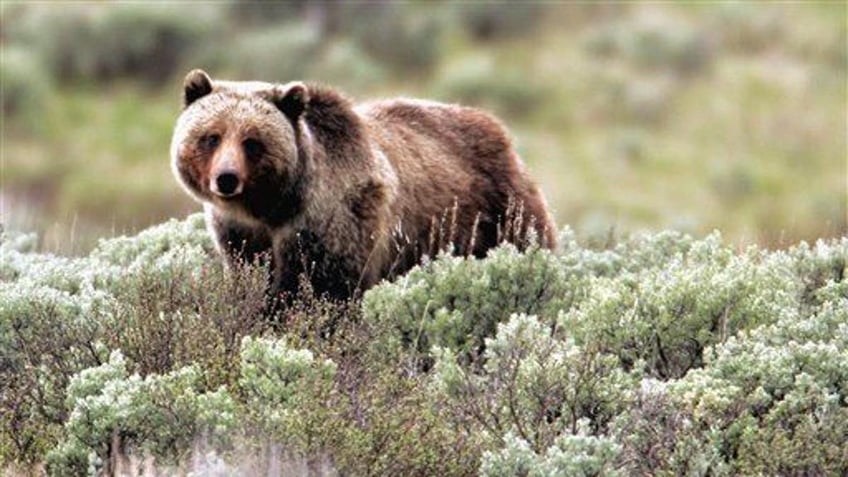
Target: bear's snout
(227, 177)
(227, 184)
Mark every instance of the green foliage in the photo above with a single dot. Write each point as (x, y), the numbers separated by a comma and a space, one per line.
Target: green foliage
(276, 53)
(658, 437)
(409, 43)
(477, 82)
(496, 21)
(663, 317)
(654, 354)
(114, 413)
(296, 51)
(654, 43)
(378, 417)
(821, 269)
(770, 400)
(578, 454)
(277, 382)
(264, 13)
(663, 306)
(156, 245)
(144, 295)
(778, 393)
(660, 354)
(457, 302)
(674, 297)
(534, 383)
(126, 40)
(27, 87)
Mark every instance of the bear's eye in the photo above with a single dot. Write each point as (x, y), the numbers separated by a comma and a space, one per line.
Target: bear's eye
(210, 141)
(253, 148)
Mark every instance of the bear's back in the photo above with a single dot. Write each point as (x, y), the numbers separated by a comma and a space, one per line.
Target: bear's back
(450, 157)
(440, 138)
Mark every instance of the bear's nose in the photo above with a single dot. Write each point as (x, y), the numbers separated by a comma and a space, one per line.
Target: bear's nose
(227, 184)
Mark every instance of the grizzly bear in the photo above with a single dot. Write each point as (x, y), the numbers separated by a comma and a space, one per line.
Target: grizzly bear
(344, 195)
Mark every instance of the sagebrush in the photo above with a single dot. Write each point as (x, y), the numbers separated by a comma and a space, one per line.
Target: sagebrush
(657, 353)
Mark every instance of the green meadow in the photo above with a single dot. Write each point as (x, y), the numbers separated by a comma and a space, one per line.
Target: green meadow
(642, 116)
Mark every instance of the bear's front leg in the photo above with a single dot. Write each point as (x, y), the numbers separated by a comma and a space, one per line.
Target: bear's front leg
(244, 245)
(240, 244)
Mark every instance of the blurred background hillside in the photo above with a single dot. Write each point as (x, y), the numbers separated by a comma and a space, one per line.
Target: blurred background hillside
(632, 116)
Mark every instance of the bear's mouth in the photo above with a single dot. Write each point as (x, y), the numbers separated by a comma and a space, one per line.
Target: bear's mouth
(230, 202)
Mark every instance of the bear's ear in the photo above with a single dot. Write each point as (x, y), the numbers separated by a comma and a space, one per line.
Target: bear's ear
(291, 99)
(196, 85)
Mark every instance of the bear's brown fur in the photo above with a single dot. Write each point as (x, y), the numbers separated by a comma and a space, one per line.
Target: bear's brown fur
(348, 194)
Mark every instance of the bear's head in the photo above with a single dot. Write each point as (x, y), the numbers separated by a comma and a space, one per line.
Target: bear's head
(239, 146)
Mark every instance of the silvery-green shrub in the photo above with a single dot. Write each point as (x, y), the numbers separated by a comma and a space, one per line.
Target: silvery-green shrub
(534, 383)
(456, 303)
(778, 393)
(160, 415)
(277, 382)
(143, 295)
(652, 354)
(824, 264)
(571, 454)
(663, 317)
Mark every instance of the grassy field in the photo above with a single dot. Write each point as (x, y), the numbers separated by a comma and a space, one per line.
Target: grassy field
(632, 117)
